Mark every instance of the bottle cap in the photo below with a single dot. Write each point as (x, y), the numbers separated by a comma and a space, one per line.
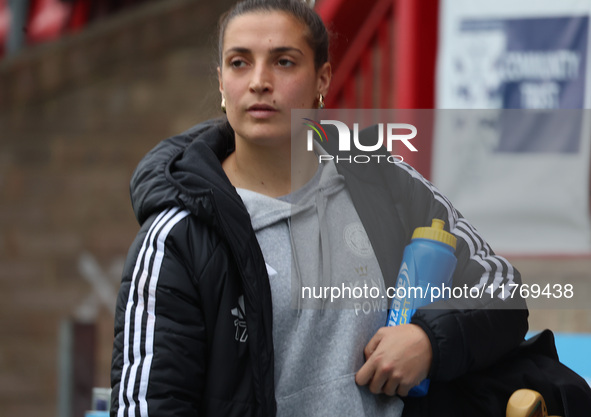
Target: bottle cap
(526, 403)
(435, 232)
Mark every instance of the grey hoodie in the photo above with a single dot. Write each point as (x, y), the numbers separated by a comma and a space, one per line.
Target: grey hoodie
(313, 238)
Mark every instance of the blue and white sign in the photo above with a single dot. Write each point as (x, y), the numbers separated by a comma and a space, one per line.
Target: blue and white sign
(520, 63)
(520, 175)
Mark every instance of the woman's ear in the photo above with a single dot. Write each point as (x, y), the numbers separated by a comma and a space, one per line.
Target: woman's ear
(221, 84)
(324, 76)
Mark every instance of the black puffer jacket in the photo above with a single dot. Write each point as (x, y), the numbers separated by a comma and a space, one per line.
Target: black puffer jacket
(193, 321)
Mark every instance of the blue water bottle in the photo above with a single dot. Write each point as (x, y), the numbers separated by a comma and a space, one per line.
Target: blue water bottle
(428, 262)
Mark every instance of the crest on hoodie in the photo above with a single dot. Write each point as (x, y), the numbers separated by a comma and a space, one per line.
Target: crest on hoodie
(357, 240)
(240, 321)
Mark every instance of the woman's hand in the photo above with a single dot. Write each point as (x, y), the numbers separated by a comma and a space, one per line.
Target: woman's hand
(397, 359)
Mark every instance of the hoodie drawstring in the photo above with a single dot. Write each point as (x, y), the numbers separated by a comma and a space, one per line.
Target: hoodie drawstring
(326, 277)
(296, 268)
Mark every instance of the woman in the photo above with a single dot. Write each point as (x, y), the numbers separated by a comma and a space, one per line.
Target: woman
(205, 321)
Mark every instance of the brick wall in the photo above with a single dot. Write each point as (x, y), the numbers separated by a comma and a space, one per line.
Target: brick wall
(76, 118)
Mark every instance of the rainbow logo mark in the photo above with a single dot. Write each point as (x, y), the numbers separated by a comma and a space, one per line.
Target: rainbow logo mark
(315, 126)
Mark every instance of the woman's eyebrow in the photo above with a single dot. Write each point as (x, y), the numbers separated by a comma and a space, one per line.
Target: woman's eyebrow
(237, 49)
(283, 49)
(276, 50)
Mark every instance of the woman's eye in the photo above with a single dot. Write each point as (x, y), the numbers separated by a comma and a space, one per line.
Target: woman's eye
(237, 63)
(285, 62)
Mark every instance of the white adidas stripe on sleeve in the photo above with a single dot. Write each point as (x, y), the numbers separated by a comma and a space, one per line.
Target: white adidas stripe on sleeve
(146, 272)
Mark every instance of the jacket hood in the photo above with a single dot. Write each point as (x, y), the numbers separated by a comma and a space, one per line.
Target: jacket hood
(184, 171)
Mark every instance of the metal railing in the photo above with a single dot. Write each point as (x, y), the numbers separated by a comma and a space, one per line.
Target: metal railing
(384, 59)
(364, 76)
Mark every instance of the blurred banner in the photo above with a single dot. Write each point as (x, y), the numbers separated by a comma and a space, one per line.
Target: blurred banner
(521, 176)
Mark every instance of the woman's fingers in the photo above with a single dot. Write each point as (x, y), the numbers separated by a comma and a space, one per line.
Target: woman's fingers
(397, 359)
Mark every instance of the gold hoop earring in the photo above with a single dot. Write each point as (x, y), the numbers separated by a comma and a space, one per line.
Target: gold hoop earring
(321, 102)
(223, 104)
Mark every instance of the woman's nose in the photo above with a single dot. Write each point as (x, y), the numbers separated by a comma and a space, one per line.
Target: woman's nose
(261, 80)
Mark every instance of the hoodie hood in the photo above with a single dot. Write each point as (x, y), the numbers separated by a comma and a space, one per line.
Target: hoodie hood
(302, 215)
(266, 211)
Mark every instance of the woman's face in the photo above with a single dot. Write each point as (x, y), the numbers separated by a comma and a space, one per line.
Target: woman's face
(267, 70)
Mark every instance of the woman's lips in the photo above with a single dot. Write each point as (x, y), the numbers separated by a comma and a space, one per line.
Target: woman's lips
(261, 111)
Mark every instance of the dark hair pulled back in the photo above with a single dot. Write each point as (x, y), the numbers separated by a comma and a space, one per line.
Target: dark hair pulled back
(316, 36)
